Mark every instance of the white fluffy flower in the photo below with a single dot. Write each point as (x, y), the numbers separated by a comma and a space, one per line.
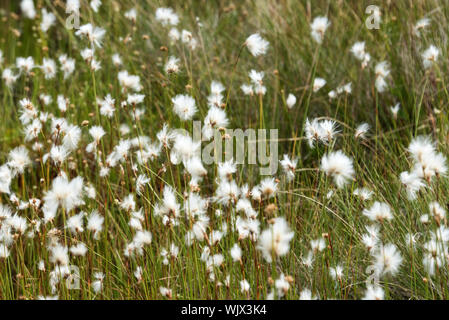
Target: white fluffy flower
(337, 272)
(437, 211)
(268, 187)
(244, 286)
(291, 101)
(430, 56)
(97, 285)
(236, 252)
(379, 211)
(172, 65)
(25, 64)
(289, 166)
(387, 260)
(318, 28)
(166, 16)
(19, 159)
(395, 109)
(78, 250)
(412, 182)
(95, 223)
(339, 166)
(420, 146)
(131, 14)
(9, 77)
(59, 255)
(183, 149)
(361, 130)
(184, 106)
(27, 7)
(420, 25)
(49, 68)
(306, 294)
(48, 19)
(318, 83)
(128, 81)
(65, 193)
(358, 50)
(75, 223)
(275, 241)
(256, 45)
(363, 193)
(4, 251)
(374, 293)
(94, 34)
(215, 119)
(67, 65)
(95, 5)
(73, 5)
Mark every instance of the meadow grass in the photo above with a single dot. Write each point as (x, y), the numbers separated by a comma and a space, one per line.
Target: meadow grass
(312, 204)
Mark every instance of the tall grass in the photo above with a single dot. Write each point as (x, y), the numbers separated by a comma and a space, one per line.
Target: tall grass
(291, 64)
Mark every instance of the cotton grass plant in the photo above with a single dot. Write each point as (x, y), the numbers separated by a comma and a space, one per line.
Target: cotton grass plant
(103, 196)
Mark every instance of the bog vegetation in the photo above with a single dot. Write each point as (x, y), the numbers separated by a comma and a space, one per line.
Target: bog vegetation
(102, 196)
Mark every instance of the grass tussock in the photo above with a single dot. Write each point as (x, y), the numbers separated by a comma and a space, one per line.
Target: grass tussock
(102, 196)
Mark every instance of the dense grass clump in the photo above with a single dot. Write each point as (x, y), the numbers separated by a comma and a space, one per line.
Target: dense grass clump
(105, 191)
